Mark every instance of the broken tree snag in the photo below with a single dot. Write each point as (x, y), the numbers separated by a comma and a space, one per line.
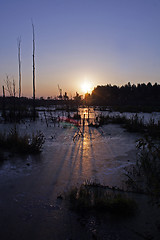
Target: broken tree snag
(3, 107)
(19, 64)
(34, 111)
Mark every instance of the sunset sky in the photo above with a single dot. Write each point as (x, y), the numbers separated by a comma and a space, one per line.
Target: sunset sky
(96, 41)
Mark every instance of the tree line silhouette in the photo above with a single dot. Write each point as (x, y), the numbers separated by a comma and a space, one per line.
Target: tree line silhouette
(132, 98)
(127, 95)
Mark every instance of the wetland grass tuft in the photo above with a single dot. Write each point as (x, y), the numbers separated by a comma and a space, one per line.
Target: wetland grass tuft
(133, 124)
(14, 142)
(144, 176)
(98, 198)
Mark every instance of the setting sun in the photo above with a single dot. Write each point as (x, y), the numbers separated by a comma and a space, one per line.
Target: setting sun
(86, 87)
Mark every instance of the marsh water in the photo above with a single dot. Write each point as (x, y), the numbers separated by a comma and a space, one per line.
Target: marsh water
(30, 184)
(72, 154)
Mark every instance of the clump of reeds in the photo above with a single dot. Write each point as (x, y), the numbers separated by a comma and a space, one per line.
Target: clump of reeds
(133, 124)
(117, 119)
(96, 197)
(144, 176)
(14, 142)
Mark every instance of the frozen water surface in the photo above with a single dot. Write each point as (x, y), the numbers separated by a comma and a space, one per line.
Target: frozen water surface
(29, 185)
(97, 154)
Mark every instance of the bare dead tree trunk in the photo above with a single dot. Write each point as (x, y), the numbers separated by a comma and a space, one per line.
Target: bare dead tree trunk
(11, 89)
(14, 102)
(19, 64)
(4, 109)
(14, 89)
(8, 84)
(3, 92)
(34, 113)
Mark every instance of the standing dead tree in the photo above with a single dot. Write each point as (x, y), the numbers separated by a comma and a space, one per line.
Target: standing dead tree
(34, 113)
(14, 88)
(3, 107)
(19, 64)
(11, 89)
(9, 85)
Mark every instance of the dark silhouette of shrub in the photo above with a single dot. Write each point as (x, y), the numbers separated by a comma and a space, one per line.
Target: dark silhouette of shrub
(25, 144)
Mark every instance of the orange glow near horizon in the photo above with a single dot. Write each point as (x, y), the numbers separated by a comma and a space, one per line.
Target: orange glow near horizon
(86, 86)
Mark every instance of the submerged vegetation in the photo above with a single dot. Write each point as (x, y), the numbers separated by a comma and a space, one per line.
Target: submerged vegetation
(98, 198)
(14, 142)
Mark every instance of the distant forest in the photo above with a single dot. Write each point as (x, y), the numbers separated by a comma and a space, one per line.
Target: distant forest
(127, 95)
(140, 97)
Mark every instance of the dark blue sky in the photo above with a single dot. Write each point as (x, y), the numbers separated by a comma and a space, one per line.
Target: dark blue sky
(104, 41)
